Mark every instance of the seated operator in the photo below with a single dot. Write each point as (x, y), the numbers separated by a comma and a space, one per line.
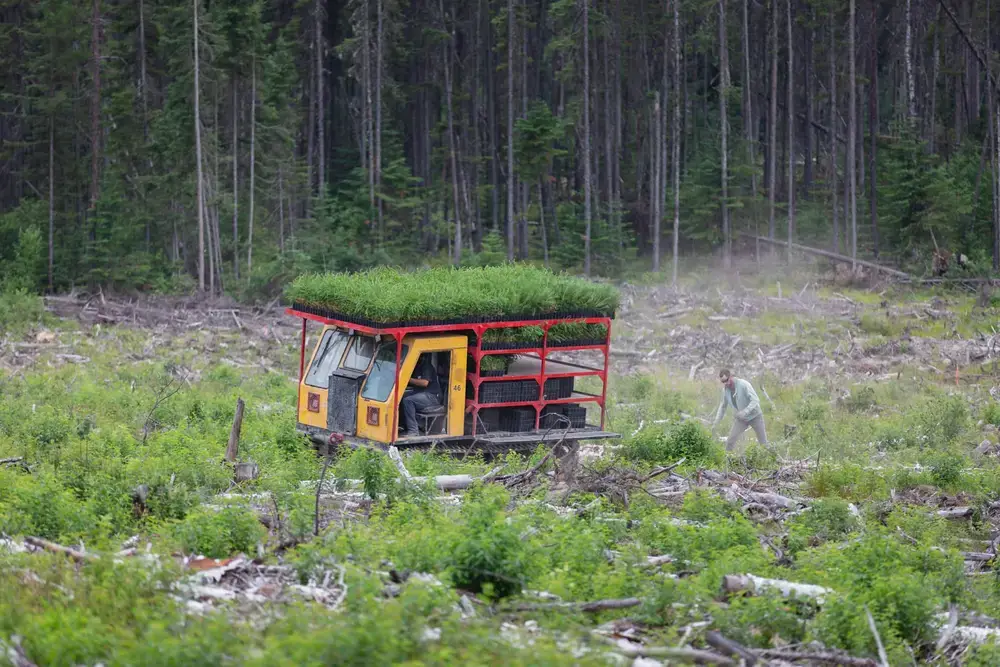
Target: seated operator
(425, 392)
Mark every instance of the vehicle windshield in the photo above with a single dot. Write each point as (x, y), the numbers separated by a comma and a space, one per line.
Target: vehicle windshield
(378, 387)
(360, 353)
(331, 349)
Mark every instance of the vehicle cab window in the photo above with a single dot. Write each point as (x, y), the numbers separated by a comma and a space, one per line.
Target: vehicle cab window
(380, 381)
(331, 349)
(360, 354)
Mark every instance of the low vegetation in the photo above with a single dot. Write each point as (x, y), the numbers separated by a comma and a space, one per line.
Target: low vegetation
(880, 494)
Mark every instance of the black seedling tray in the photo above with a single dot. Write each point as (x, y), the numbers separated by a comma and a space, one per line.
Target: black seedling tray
(557, 388)
(509, 391)
(577, 415)
(518, 420)
(579, 342)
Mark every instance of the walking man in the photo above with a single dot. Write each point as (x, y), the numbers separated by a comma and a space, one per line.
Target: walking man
(740, 395)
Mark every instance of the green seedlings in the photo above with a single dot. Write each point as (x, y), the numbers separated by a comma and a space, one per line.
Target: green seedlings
(495, 292)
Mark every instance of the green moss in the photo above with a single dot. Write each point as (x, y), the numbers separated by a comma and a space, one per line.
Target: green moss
(385, 294)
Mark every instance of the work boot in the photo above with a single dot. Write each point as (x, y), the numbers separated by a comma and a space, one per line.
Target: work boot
(411, 434)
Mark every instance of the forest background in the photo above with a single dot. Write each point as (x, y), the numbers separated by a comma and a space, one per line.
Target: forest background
(300, 135)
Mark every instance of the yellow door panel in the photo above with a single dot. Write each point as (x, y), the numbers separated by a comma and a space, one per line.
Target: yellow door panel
(456, 391)
(312, 406)
(376, 418)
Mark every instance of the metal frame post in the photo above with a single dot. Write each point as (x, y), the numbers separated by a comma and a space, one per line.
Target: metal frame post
(302, 352)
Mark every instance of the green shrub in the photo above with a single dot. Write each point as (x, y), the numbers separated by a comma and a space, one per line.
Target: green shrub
(826, 519)
(847, 481)
(758, 621)
(40, 505)
(946, 469)
(688, 440)
(861, 400)
(812, 410)
(488, 555)
(219, 534)
(991, 413)
(878, 325)
(941, 420)
(19, 310)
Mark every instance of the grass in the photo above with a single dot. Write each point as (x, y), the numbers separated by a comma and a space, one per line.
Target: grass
(497, 292)
(83, 430)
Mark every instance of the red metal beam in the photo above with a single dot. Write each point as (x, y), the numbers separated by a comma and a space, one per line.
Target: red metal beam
(395, 391)
(302, 352)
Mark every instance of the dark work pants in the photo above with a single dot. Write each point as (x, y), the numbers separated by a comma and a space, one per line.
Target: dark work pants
(415, 402)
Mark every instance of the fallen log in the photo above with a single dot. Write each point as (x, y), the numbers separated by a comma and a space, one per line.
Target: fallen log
(398, 461)
(834, 256)
(829, 658)
(955, 513)
(78, 556)
(14, 653)
(677, 653)
(729, 647)
(594, 606)
(748, 583)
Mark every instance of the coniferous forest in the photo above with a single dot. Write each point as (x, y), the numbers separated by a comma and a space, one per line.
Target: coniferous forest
(227, 146)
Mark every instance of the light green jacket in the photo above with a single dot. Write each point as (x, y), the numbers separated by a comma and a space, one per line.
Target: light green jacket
(743, 400)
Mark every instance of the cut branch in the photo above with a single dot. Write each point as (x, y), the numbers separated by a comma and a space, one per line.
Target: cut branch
(832, 255)
(78, 556)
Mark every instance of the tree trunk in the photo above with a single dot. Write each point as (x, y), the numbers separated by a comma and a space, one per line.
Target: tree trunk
(852, 136)
(586, 137)
(253, 160)
(678, 79)
(935, 69)
(727, 239)
(491, 118)
(197, 151)
(662, 156)
(457, 257)
(608, 133)
(810, 147)
(911, 88)
(510, 130)
(772, 152)
(996, 205)
(142, 98)
(618, 125)
(281, 211)
(750, 129)
(655, 198)
(378, 124)
(95, 106)
(791, 135)
(52, 199)
(368, 113)
(833, 132)
(311, 135)
(236, 189)
(541, 221)
(873, 124)
(320, 115)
